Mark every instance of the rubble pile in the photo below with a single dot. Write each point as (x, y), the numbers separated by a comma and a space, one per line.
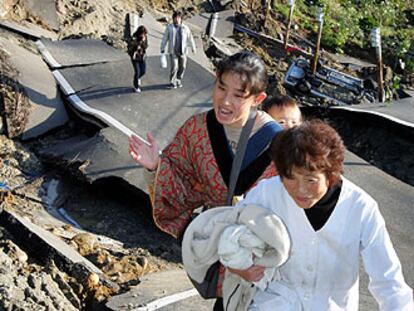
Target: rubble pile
(27, 285)
(14, 106)
(22, 190)
(95, 19)
(18, 11)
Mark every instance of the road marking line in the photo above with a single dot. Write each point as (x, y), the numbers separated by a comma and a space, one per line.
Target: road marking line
(165, 301)
(66, 87)
(46, 55)
(103, 116)
(68, 90)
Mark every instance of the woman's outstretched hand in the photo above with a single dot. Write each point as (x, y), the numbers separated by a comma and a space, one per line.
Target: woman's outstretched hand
(252, 274)
(144, 154)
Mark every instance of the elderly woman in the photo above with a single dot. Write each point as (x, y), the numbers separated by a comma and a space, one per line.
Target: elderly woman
(331, 223)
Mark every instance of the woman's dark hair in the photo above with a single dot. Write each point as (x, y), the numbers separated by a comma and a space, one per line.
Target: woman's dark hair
(140, 31)
(249, 67)
(313, 145)
(282, 101)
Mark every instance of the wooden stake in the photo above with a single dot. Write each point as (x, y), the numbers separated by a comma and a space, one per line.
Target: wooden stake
(376, 43)
(288, 26)
(381, 93)
(318, 41)
(268, 5)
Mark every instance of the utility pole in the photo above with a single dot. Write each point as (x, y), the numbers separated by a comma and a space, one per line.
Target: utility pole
(319, 17)
(291, 5)
(376, 43)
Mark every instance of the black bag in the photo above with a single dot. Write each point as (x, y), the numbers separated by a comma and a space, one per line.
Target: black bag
(208, 288)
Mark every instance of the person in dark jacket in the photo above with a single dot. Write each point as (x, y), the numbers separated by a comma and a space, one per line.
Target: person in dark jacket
(137, 47)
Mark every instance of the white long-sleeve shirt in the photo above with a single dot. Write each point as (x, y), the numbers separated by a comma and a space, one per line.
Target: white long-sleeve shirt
(187, 40)
(323, 268)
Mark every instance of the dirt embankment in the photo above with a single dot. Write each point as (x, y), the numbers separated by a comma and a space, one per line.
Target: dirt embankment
(14, 106)
(26, 284)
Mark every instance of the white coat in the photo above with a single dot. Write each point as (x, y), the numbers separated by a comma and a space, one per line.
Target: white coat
(323, 268)
(187, 40)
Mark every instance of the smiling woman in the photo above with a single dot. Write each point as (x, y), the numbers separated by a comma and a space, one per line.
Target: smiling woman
(310, 161)
(306, 187)
(331, 223)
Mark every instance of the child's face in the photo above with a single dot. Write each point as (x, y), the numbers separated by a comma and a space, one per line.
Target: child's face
(287, 117)
(231, 102)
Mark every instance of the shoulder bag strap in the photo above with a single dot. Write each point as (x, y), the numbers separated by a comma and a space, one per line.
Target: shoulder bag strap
(238, 157)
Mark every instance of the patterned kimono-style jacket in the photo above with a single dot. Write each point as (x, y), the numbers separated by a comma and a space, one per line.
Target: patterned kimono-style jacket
(195, 167)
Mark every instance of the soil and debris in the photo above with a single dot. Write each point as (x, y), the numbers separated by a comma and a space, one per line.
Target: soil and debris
(14, 105)
(123, 247)
(111, 226)
(27, 285)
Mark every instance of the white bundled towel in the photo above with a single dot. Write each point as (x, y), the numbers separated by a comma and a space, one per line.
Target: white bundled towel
(237, 247)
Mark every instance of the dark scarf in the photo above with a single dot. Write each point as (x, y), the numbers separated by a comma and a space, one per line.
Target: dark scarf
(319, 214)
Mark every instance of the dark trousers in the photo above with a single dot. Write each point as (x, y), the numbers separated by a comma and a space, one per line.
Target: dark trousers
(140, 67)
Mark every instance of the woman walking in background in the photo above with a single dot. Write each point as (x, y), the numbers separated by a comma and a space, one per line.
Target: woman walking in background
(137, 47)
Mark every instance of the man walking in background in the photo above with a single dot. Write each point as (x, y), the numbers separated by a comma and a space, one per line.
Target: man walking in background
(180, 39)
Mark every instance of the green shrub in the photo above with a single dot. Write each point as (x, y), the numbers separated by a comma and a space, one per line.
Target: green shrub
(349, 22)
